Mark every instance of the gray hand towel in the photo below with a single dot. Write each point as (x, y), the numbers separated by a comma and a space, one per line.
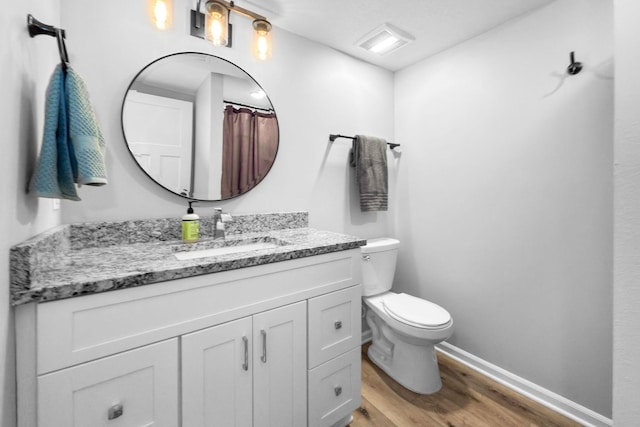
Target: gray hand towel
(369, 157)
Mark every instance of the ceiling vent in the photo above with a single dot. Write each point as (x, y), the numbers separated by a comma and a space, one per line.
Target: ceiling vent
(384, 40)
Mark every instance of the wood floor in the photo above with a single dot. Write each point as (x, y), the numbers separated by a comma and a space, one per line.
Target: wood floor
(467, 398)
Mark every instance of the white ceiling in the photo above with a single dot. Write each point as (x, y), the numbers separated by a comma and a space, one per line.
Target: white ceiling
(435, 24)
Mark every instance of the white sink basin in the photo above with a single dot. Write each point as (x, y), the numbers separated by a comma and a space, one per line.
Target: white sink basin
(225, 250)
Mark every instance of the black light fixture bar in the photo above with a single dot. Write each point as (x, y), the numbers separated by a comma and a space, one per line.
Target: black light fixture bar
(197, 18)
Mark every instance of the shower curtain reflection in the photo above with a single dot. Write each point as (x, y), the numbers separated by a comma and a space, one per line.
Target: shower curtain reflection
(249, 146)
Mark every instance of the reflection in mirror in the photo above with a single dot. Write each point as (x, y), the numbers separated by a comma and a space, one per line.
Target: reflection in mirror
(200, 126)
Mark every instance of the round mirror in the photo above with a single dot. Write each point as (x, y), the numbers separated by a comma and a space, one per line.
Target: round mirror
(200, 126)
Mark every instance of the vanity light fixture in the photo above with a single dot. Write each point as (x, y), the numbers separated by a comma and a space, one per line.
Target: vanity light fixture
(214, 25)
(161, 13)
(385, 39)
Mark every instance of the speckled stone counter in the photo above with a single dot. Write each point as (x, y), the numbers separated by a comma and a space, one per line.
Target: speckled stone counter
(81, 259)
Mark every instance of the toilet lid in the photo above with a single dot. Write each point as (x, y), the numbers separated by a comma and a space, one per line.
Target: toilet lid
(416, 311)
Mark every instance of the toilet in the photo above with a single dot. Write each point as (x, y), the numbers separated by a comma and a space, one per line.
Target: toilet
(404, 328)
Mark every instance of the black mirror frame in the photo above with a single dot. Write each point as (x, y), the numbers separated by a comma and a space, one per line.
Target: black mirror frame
(145, 172)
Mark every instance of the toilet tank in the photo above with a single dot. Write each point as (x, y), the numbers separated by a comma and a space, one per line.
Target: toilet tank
(378, 265)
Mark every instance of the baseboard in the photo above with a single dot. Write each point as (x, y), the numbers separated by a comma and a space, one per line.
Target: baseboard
(366, 336)
(562, 405)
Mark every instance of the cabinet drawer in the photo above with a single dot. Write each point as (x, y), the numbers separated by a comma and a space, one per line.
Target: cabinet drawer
(334, 324)
(131, 389)
(334, 389)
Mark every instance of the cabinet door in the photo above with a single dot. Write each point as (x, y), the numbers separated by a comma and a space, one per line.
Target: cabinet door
(217, 376)
(279, 359)
(132, 389)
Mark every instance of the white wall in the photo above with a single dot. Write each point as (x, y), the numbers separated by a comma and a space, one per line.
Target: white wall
(626, 348)
(25, 67)
(505, 195)
(315, 90)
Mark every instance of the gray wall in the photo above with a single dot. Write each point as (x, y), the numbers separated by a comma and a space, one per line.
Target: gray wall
(505, 195)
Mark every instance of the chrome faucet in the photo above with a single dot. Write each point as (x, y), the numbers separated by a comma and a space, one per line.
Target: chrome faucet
(219, 219)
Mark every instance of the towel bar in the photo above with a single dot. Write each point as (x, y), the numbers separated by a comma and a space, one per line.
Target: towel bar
(333, 137)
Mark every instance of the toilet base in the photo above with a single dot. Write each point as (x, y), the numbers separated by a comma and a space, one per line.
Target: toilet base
(414, 366)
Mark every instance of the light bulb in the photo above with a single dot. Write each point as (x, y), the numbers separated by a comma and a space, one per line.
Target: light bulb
(263, 46)
(160, 11)
(161, 14)
(216, 31)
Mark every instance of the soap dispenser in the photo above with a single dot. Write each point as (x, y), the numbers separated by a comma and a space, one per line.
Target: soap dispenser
(190, 226)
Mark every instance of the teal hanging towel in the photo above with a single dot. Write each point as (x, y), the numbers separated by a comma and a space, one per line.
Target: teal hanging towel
(84, 133)
(73, 148)
(53, 176)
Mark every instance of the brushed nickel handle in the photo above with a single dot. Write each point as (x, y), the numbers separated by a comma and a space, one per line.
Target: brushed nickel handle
(338, 391)
(115, 411)
(245, 365)
(338, 324)
(366, 257)
(264, 346)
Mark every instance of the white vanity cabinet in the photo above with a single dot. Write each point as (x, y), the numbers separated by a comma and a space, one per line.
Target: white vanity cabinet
(255, 365)
(271, 345)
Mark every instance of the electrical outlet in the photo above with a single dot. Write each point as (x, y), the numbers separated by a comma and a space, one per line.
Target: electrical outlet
(55, 204)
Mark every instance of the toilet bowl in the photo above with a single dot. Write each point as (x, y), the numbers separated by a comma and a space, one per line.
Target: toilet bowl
(404, 328)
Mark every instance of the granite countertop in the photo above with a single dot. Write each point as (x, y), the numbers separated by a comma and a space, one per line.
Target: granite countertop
(81, 259)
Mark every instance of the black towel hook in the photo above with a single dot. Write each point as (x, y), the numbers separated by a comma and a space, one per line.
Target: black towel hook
(575, 67)
(37, 28)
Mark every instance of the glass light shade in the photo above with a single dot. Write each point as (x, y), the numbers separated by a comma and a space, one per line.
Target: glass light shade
(216, 23)
(161, 13)
(262, 39)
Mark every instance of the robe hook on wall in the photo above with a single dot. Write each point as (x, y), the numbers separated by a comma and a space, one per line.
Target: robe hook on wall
(575, 67)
